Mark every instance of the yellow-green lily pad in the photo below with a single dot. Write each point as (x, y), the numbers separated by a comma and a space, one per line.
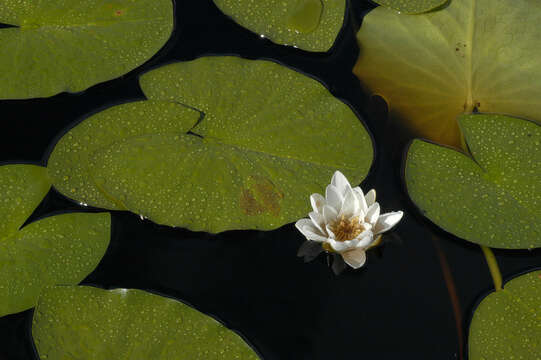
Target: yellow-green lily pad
(492, 197)
(68, 163)
(311, 25)
(469, 55)
(70, 45)
(61, 249)
(270, 137)
(95, 324)
(507, 323)
(411, 6)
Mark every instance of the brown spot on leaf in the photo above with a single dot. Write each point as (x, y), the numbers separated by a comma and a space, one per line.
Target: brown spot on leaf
(260, 196)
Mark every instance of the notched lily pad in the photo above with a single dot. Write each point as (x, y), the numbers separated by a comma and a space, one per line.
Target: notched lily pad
(507, 323)
(74, 44)
(61, 249)
(412, 6)
(68, 163)
(311, 25)
(492, 199)
(469, 55)
(270, 137)
(128, 324)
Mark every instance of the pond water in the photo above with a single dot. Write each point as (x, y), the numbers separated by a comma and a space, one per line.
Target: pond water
(414, 298)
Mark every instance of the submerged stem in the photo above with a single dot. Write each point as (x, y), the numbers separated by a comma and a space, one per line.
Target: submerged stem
(493, 267)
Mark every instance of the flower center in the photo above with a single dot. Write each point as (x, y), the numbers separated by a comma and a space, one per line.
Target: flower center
(347, 229)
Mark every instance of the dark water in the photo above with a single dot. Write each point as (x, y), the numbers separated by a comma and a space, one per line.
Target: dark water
(399, 304)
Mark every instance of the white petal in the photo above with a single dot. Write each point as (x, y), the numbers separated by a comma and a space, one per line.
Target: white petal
(309, 250)
(317, 201)
(366, 238)
(360, 197)
(307, 228)
(318, 220)
(372, 214)
(330, 214)
(333, 197)
(387, 221)
(341, 246)
(355, 258)
(340, 182)
(350, 207)
(370, 197)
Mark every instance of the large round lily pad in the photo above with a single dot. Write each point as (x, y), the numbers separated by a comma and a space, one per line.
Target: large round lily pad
(411, 6)
(492, 199)
(61, 249)
(480, 54)
(507, 323)
(311, 25)
(71, 45)
(121, 324)
(270, 137)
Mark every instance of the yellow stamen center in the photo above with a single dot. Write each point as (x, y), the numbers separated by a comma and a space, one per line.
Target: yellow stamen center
(347, 229)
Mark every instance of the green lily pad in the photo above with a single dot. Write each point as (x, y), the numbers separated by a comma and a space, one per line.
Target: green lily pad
(470, 55)
(270, 137)
(311, 25)
(68, 163)
(492, 199)
(74, 44)
(61, 249)
(128, 324)
(411, 6)
(507, 323)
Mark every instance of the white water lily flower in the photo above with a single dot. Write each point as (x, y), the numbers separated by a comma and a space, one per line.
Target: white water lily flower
(345, 221)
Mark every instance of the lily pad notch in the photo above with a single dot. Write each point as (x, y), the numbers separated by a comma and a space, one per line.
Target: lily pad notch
(491, 197)
(57, 249)
(265, 136)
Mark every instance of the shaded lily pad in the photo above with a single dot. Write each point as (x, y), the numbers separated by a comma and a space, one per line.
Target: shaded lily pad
(61, 249)
(507, 323)
(270, 137)
(411, 6)
(68, 163)
(128, 324)
(311, 25)
(470, 55)
(74, 44)
(492, 199)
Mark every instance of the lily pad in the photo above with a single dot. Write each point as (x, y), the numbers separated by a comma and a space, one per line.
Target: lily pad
(74, 44)
(311, 25)
(507, 323)
(128, 324)
(492, 199)
(68, 163)
(470, 55)
(411, 6)
(270, 137)
(61, 249)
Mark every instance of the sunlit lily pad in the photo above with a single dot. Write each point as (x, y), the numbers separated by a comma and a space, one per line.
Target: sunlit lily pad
(68, 163)
(71, 45)
(311, 25)
(411, 6)
(507, 323)
(269, 138)
(126, 324)
(492, 199)
(471, 54)
(61, 249)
